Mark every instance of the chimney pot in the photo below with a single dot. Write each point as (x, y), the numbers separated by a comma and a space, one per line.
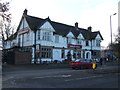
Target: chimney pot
(90, 28)
(25, 12)
(76, 24)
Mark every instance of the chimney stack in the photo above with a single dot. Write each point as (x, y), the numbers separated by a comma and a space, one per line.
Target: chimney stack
(90, 28)
(76, 24)
(25, 12)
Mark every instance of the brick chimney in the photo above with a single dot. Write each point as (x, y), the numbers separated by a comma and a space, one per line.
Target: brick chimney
(76, 24)
(25, 12)
(90, 28)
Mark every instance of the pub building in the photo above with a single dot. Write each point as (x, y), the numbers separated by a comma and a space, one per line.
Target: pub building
(47, 40)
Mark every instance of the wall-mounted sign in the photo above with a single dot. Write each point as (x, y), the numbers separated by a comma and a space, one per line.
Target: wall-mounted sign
(23, 31)
(74, 46)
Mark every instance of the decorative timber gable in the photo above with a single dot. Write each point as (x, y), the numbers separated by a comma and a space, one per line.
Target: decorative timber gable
(80, 36)
(24, 27)
(47, 26)
(70, 34)
(98, 37)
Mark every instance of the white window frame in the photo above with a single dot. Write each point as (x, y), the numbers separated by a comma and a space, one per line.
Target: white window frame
(69, 40)
(46, 52)
(38, 35)
(56, 39)
(46, 36)
(28, 36)
(97, 42)
(79, 42)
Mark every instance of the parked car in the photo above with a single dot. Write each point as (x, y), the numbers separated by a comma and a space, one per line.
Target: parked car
(83, 63)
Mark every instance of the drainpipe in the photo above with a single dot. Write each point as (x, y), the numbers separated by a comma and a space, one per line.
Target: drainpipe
(23, 33)
(91, 47)
(35, 46)
(40, 53)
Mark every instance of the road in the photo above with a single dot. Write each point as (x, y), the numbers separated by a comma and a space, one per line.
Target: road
(59, 78)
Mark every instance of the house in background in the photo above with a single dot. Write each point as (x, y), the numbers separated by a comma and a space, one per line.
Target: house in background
(47, 40)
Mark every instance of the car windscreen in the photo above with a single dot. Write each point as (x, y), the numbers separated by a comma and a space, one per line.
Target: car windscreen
(83, 60)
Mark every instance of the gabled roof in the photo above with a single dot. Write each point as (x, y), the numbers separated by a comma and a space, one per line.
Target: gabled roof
(94, 34)
(60, 28)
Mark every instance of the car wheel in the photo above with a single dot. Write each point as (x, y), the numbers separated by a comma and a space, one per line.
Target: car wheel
(73, 67)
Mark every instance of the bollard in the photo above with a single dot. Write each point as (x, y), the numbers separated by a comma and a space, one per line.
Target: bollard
(93, 66)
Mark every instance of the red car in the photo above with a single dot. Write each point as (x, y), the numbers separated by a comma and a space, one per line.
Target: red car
(80, 64)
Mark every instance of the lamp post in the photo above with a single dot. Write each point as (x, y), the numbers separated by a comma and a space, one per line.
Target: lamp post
(111, 25)
(111, 32)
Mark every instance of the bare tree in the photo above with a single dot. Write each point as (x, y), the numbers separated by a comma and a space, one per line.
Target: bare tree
(6, 29)
(116, 45)
(117, 39)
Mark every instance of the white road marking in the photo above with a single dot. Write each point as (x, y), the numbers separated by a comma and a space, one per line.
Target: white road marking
(84, 78)
(64, 76)
(5, 79)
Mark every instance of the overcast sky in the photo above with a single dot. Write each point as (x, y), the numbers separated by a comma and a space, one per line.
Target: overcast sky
(95, 13)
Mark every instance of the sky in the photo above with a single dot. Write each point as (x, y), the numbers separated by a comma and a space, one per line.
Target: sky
(95, 13)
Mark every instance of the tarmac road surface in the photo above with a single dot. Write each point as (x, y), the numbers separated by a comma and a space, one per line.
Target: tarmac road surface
(61, 78)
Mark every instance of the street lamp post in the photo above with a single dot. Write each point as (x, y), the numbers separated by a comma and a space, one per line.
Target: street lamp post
(111, 25)
(111, 31)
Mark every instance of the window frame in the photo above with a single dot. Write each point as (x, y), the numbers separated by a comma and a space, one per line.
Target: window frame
(46, 52)
(98, 43)
(79, 42)
(38, 35)
(87, 43)
(46, 36)
(62, 53)
(56, 39)
(69, 40)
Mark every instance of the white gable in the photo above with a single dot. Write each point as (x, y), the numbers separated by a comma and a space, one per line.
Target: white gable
(24, 27)
(70, 34)
(98, 37)
(80, 36)
(24, 24)
(47, 26)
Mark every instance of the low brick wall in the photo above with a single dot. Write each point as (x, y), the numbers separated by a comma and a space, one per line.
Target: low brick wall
(17, 56)
(22, 57)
